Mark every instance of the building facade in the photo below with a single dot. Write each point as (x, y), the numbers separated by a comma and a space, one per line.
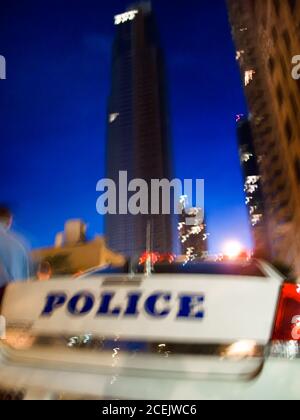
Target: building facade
(138, 128)
(73, 253)
(192, 231)
(253, 190)
(267, 37)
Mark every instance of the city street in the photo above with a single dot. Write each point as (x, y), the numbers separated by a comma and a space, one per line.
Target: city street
(149, 203)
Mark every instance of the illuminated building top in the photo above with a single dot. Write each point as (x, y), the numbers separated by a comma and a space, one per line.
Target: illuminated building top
(125, 17)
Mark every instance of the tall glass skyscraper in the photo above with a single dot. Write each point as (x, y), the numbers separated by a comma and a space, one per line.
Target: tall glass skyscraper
(138, 134)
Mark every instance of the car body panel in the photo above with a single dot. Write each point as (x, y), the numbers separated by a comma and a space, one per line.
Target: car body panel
(278, 380)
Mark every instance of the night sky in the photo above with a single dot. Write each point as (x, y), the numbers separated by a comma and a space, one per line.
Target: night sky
(53, 110)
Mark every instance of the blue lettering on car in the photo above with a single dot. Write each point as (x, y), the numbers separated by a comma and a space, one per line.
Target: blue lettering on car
(157, 305)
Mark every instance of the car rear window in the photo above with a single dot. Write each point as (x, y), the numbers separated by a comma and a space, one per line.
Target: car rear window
(246, 269)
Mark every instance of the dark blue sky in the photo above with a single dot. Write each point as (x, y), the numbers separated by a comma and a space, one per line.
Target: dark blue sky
(53, 109)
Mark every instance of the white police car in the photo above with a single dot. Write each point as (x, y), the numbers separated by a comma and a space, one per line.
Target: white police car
(195, 331)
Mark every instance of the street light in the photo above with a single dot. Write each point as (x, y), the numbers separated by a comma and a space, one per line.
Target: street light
(232, 249)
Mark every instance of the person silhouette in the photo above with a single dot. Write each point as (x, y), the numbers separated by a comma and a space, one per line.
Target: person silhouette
(14, 262)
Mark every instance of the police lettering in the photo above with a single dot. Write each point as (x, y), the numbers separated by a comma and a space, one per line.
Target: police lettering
(157, 305)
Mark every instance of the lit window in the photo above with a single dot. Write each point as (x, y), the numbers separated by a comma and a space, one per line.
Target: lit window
(125, 17)
(239, 54)
(249, 75)
(113, 117)
(252, 209)
(255, 219)
(252, 179)
(251, 184)
(245, 157)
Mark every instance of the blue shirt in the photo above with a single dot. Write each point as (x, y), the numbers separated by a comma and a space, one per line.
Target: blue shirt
(14, 264)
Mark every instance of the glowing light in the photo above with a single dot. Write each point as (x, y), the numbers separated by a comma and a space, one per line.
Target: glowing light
(125, 17)
(190, 255)
(251, 184)
(296, 329)
(252, 209)
(156, 257)
(86, 338)
(249, 75)
(252, 179)
(115, 352)
(245, 157)
(196, 230)
(190, 231)
(239, 117)
(113, 117)
(181, 225)
(73, 341)
(233, 249)
(239, 54)
(241, 349)
(256, 218)
(183, 202)
(251, 189)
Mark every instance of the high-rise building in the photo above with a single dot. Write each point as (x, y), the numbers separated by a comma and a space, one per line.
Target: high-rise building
(192, 231)
(267, 36)
(138, 133)
(253, 189)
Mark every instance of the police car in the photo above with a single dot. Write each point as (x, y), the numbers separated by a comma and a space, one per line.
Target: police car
(169, 330)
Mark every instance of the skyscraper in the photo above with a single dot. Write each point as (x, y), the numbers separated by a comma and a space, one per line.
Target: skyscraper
(267, 36)
(253, 189)
(138, 134)
(193, 237)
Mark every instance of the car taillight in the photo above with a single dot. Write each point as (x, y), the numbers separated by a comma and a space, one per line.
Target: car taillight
(287, 327)
(156, 257)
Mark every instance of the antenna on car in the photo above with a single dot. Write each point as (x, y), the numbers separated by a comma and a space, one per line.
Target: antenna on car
(149, 263)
